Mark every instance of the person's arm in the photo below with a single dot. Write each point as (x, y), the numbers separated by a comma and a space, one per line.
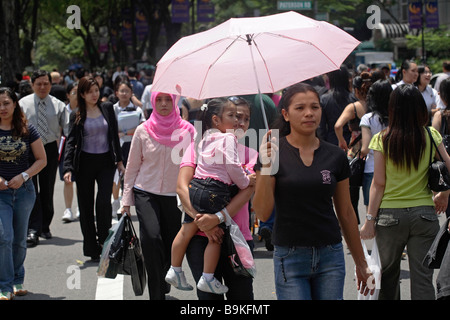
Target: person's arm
(441, 198)
(207, 222)
(375, 195)
(136, 101)
(264, 200)
(185, 176)
(69, 150)
(347, 115)
(40, 162)
(349, 225)
(437, 118)
(134, 164)
(109, 109)
(366, 136)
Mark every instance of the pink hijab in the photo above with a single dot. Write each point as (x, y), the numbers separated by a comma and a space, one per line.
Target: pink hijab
(161, 128)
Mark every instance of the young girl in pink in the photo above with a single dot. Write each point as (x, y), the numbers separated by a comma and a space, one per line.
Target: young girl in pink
(218, 168)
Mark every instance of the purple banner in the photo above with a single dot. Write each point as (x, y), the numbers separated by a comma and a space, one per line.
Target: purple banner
(432, 14)
(205, 11)
(180, 11)
(127, 33)
(141, 25)
(415, 15)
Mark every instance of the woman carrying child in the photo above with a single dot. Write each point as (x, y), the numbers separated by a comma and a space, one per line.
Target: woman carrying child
(218, 168)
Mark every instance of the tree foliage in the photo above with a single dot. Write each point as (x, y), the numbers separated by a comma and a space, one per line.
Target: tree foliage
(437, 42)
(41, 25)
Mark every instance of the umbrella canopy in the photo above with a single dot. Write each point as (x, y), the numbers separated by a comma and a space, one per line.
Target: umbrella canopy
(252, 55)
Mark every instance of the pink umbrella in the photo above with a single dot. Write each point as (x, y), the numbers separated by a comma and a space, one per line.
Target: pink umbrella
(252, 55)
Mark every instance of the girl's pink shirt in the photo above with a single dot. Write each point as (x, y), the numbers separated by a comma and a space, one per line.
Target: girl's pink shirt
(249, 157)
(217, 158)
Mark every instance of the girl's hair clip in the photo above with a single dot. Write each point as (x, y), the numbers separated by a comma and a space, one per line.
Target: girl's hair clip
(204, 107)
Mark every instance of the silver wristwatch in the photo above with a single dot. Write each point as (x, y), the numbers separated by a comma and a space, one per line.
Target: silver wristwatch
(220, 216)
(25, 176)
(370, 217)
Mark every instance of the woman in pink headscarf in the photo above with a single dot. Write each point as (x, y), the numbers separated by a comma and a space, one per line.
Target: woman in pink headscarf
(150, 185)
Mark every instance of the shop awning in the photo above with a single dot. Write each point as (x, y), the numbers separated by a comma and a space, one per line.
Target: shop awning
(394, 30)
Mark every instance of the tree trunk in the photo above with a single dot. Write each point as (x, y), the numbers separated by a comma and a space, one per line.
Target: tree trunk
(9, 38)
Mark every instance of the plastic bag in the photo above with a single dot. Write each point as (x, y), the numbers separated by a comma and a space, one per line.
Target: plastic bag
(239, 253)
(374, 263)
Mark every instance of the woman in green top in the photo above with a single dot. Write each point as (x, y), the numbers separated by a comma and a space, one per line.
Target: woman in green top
(401, 209)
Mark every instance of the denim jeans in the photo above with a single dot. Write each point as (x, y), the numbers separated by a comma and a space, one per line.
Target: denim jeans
(414, 228)
(367, 182)
(15, 210)
(309, 273)
(208, 196)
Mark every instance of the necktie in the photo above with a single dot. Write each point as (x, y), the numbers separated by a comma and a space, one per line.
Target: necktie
(42, 121)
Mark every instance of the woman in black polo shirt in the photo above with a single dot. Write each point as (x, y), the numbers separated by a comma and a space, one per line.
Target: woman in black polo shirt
(311, 177)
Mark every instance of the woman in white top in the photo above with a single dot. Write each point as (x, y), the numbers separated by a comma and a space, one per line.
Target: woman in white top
(407, 74)
(129, 116)
(68, 185)
(429, 94)
(375, 120)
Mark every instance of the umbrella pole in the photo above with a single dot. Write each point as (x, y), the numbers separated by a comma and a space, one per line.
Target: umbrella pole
(249, 40)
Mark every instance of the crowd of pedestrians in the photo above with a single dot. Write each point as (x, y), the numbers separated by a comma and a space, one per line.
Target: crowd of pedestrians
(142, 149)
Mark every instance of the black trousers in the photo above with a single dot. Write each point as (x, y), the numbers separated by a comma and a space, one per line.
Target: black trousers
(44, 184)
(239, 287)
(159, 223)
(95, 168)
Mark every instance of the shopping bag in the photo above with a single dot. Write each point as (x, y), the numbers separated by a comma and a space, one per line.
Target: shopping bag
(237, 249)
(374, 263)
(110, 267)
(118, 243)
(133, 259)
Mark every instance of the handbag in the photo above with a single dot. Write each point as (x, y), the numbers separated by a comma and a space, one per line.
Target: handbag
(444, 132)
(356, 170)
(122, 254)
(109, 265)
(133, 259)
(435, 254)
(438, 176)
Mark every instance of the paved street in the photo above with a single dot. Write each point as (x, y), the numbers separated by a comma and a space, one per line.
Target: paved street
(57, 270)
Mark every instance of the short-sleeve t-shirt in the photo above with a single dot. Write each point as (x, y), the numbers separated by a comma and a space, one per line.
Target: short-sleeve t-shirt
(407, 189)
(373, 122)
(15, 153)
(304, 213)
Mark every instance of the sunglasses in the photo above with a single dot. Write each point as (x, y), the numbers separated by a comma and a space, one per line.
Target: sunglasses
(237, 100)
